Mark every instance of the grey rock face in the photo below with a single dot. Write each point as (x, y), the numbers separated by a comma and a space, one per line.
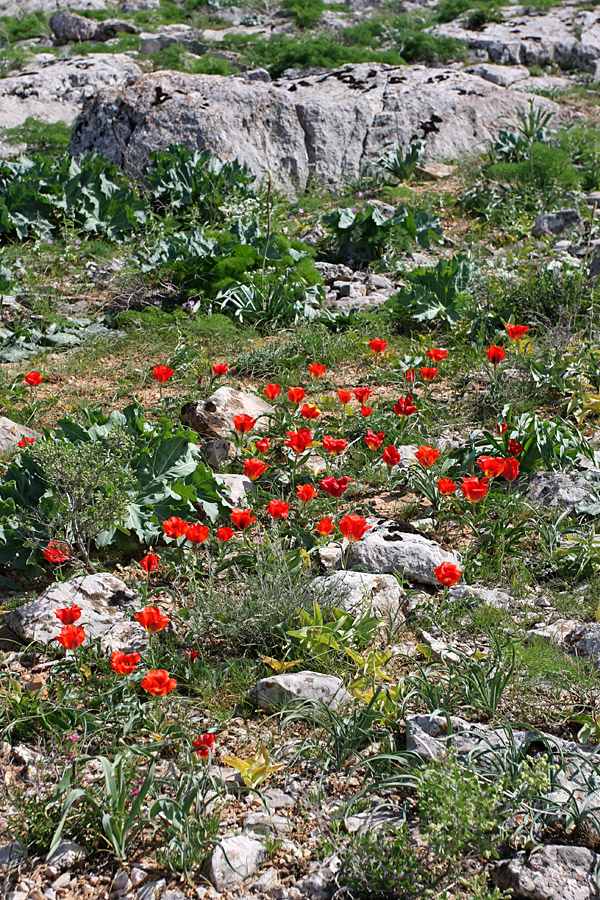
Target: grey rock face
(554, 872)
(557, 489)
(555, 223)
(68, 26)
(357, 591)
(214, 417)
(386, 548)
(216, 453)
(107, 612)
(271, 692)
(502, 75)
(331, 125)
(490, 596)
(66, 855)
(234, 860)
(11, 433)
(20, 7)
(154, 42)
(235, 488)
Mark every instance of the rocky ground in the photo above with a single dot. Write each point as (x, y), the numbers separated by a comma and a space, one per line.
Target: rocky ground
(299, 460)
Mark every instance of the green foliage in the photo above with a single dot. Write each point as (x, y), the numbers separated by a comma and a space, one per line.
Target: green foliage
(318, 635)
(282, 300)
(305, 13)
(548, 168)
(177, 58)
(401, 164)
(51, 138)
(554, 294)
(22, 27)
(280, 53)
(365, 234)
(22, 340)
(434, 293)
(123, 44)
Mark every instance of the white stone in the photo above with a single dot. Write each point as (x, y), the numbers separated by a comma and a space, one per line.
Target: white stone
(235, 859)
(66, 855)
(553, 872)
(358, 591)
(235, 488)
(214, 416)
(278, 690)
(502, 75)
(11, 433)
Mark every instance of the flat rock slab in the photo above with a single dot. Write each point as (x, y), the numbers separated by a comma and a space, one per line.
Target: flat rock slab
(329, 126)
(357, 591)
(278, 690)
(21, 7)
(554, 872)
(502, 75)
(557, 489)
(387, 548)
(107, 608)
(214, 417)
(235, 859)
(11, 433)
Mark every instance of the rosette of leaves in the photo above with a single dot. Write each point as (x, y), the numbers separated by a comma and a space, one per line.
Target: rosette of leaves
(433, 293)
(161, 475)
(365, 234)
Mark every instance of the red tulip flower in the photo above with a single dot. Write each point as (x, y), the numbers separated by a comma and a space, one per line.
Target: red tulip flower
(296, 394)
(378, 345)
(362, 394)
(151, 619)
(243, 424)
(224, 533)
(25, 441)
(514, 447)
(511, 468)
(410, 375)
(502, 427)
(204, 745)
(436, 355)
(391, 457)
(277, 509)
(272, 391)
(124, 663)
(71, 636)
(254, 468)
(491, 466)
(446, 486)
(242, 518)
(310, 411)
(68, 616)
(428, 374)
(405, 406)
(495, 354)
(175, 527)
(33, 378)
(335, 487)
(299, 441)
(220, 369)
(317, 370)
(334, 445)
(305, 492)
(56, 553)
(197, 533)
(516, 332)
(325, 526)
(162, 373)
(374, 441)
(366, 411)
(474, 488)
(345, 397)
(427, 456)
(447, 574)
(149, 563)
(158, 682)
(353, 527)
(263, 445)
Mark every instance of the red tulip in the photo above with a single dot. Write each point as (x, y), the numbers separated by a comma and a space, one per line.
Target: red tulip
(197, 533)
(511, 468)
(335, 487)
(71, 636)
(495, 354)
(391, 457)
(162, 373)
(25, 441)
(296, 394)
(278, 509)
(151, 619)
(410, 375)
(428, 374)
(427, 456)
(243, 424)
(447, 574)
(158, 682)
(516, 332)
(334, 445)
(353, 527)
(56, 553)
(299, 441)
(33, 378)
(491, 466)
(446, 486)
(436, 355)
(242, 518)
(514, 448)
(317, 370)
(502, 427)
(220, 369)
(345, 397)
(204, 745)
(405, 406)
(366, 411)
(224, 533)
(149, 563)
(272, 391)
(362, 393)
(174, 527)
(124, 663)
(374, 441)
(378, 345)
(305, 492)
(254, 468)
(68, 616)
(310, 411)
(325, 526)
(263, 445)
(474, 488)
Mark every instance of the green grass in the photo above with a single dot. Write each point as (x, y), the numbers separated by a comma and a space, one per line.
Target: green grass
(22, 28)
(51, 138)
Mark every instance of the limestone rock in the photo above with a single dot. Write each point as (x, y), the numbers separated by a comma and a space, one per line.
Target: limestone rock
(11, 433)
(21, 7)
(136, 5)
(155, 41)
(235, 859)
(557, 489)
(554, 872)
(67, 27)
(330, 126)
(387, 548)
(66, 855)
(277, 690)
(501, 75)
(216, 453)
(357, 591)
(214, 417)
(235, 488)
(490, 596)
(554, 223)
(107, 612)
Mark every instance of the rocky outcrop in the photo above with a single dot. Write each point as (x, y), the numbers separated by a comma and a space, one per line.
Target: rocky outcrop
(329, 127)
(68, 26)
(214, 416)
(554, 872)
(22, 7)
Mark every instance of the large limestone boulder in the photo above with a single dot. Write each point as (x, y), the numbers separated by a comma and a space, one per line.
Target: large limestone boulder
(68, 26)
(214, 417)
(277, 690)
(329, 126)
(22, 7)
(355, 592)
(11, 433)
(236, 858)
(554, 872)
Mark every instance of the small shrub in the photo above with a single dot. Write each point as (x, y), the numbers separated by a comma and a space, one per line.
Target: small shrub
(51, 138)
(305, 13)
(362, 235)
(22, 27)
